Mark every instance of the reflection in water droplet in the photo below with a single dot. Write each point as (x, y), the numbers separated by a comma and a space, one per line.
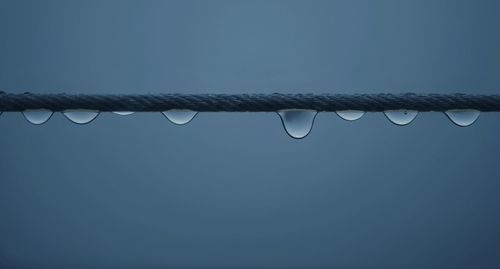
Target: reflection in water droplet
(123, 113)
(179, 116)
(37, 116)
(463, 117)
(80, 116)
(350, 115)
(401, 117)
(297, 122)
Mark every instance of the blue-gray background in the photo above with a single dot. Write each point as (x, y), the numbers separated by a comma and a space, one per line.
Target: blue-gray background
(231, 189)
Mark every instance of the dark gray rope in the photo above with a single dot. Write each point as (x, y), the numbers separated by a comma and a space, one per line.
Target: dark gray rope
(248, 102)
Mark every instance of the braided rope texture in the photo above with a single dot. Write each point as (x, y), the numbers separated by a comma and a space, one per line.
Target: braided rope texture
(248, 102)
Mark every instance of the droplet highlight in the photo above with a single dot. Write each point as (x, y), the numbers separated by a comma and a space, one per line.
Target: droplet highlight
(80, 116)
(180, 116)
(124, 113)
(463, 117)
(401, 117)
(350, 115)
(37, 116)
(297, 122)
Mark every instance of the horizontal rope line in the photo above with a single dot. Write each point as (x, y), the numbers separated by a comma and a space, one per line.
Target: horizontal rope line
(248, 102)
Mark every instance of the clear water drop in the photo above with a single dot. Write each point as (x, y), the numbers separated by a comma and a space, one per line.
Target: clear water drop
(124, 113)
(463, 117)
(37, 116)
(80, 116)
(350, 115)
(179, 116)
(297, 122)
(401, 117)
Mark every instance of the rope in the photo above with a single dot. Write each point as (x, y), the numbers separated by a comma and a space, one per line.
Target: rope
(248, 102)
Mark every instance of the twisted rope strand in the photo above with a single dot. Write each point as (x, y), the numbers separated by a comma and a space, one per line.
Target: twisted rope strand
(248, 102)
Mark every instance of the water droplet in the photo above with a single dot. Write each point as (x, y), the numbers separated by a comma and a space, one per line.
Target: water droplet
(81, 116)
(463, 117)
(124, 113)
(179, 116)
(297, 122)
(37, 116)
(401, 117)
(350, 115)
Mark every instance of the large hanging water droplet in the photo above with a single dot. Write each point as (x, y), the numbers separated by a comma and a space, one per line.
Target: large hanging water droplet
(179, 116)
(80, 116)
(350, 115)
(401, 117)
(463, 117)
(37, 116)
(297, 122)
(124, 113)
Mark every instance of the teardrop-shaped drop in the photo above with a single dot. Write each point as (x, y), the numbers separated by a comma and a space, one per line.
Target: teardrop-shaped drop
(297, 122)
(350, 115)
(124, 113)
(179, 116)
(81, 116)
(463, 117)
(37, 116)
(401, 117)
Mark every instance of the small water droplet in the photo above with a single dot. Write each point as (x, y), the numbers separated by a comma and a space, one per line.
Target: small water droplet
(80, 116)
(124, 113)
(350, 115)
(401, 117)
(297, 122)
(37, 116)
(463, 117)
(179, 116)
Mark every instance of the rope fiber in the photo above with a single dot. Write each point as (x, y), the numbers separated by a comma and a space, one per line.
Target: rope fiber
(248, 102)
